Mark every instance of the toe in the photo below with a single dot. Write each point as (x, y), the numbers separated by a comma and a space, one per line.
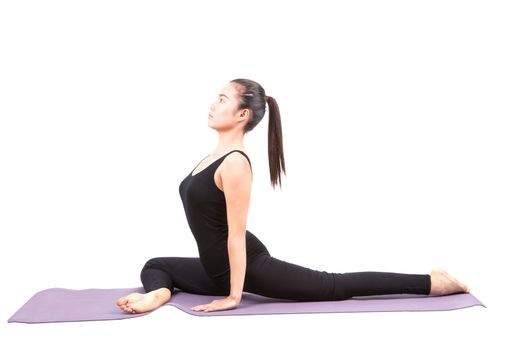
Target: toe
(122, 301)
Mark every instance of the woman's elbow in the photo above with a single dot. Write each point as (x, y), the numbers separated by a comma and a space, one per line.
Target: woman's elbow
(236, 240)
(237, 233)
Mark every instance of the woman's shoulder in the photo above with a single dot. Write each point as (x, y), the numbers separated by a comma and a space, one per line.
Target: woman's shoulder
(239, 154)
(236, 166)
(237, 159)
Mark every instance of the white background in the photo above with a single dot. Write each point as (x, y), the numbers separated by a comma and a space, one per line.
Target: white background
(403, 136)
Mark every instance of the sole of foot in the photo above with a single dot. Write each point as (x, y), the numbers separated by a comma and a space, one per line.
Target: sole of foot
(138, 303)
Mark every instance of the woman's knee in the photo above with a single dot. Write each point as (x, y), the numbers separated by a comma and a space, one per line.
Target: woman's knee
(153, 263)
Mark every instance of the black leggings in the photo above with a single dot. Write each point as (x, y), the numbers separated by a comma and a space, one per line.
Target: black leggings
(274, 278)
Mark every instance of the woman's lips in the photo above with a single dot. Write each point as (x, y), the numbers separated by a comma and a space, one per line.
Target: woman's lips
(210, 116)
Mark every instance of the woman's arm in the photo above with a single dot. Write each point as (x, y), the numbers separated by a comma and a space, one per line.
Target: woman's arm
(237, 254)
(236, 179)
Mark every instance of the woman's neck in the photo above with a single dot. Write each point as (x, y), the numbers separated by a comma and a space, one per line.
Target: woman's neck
(228, 142)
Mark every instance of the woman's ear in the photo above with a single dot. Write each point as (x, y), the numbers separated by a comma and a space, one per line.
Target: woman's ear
(245, 114)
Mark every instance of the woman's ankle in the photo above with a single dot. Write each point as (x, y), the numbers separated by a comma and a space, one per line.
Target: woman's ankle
(163, 295)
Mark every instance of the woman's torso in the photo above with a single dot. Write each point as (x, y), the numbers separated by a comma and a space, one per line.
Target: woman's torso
(205, 207)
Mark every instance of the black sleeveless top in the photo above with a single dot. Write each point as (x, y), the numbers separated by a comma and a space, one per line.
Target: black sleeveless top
(205, 207)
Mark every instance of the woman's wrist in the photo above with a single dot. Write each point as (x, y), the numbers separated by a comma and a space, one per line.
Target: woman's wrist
(236, 297)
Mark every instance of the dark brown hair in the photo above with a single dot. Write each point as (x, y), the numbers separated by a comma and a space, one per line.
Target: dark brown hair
(253, 97)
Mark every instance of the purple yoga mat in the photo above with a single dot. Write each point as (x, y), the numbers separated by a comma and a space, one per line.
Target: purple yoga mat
(67, 305)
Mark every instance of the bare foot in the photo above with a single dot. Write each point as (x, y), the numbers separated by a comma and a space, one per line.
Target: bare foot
(139, 303)
(441, 283)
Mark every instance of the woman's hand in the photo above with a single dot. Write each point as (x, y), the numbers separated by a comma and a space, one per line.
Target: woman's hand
(220, 304)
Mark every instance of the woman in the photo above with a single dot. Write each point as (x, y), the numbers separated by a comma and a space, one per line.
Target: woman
(216, 196)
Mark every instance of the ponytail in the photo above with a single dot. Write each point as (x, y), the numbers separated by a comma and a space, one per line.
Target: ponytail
(275, 143)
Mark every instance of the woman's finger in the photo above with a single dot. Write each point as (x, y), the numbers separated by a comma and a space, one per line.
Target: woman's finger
(198, 307)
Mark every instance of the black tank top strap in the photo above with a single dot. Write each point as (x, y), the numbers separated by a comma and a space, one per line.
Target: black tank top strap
(191, 172)
(238, 150)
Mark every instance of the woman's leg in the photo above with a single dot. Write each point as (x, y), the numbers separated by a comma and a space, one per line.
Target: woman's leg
(183, 273)
(275, 278)
(161, 275)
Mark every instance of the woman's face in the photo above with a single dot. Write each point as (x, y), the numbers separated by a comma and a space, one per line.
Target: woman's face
(224, 114)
